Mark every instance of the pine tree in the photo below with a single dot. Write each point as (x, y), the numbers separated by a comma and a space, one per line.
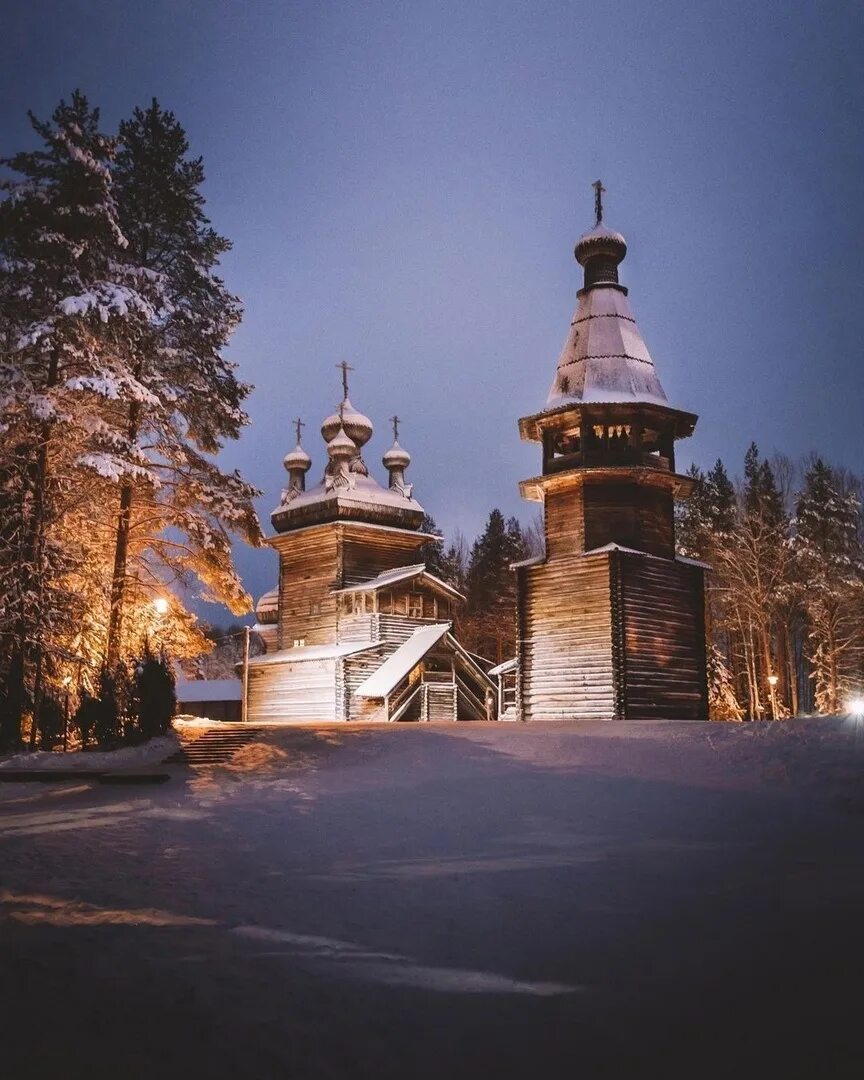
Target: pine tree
(193, 398)
(431, 551)
(828, 554)
(490, 618)
(67, 306)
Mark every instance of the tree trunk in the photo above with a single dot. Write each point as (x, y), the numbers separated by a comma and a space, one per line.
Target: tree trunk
(121, 550)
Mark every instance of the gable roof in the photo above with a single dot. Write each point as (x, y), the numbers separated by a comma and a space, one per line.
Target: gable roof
(409, 654)
(402, 573)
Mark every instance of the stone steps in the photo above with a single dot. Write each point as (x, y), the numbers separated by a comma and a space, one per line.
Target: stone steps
(215, 746)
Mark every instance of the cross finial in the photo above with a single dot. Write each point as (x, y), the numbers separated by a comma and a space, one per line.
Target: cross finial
(394, 420)
(298, 427)
(598, 199)
(346, 367)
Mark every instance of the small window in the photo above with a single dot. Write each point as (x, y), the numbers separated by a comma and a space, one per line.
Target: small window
(385, 603)
(299, 642)
(315, 608)
(415, 607)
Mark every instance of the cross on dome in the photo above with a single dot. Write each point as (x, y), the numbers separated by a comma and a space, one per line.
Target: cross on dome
(598, 200)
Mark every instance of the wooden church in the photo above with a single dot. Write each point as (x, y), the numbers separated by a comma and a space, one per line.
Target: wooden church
(357, 627)
(611, 623)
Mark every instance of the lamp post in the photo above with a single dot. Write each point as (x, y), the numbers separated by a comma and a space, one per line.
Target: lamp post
(161, 605)
(772, 685)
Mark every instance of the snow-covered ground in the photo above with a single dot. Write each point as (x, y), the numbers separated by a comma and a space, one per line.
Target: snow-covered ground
(446, 901)
(128, 757)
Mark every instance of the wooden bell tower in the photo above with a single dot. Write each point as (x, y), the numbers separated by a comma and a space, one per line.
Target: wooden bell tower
(611, 622)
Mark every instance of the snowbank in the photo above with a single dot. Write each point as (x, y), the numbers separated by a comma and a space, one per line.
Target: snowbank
(150, 753)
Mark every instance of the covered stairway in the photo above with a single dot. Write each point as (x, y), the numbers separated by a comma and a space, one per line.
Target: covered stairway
(430, 677)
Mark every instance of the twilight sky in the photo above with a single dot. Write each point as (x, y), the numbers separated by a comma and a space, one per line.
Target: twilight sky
(404, 184)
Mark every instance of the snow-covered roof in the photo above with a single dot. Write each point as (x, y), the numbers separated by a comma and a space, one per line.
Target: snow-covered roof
(604, 359)
(267, 608)
(645, 554)
(365, 495)
(394, 669)
(535, 560)
(312, 652)
(505, 668)
(209, 690)
(402, 573)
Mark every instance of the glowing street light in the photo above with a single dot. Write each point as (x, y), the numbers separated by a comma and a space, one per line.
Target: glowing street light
(855, 707)
(161, 605)
(772, 683)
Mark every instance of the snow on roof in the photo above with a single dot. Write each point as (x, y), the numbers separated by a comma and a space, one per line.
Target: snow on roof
(604, 359)
(312, 652)
(505, 668)
(209, 690)
(535, 560)
(394, 669)
(645, 554)
(267, 607)
(400, 573)
(364, 492)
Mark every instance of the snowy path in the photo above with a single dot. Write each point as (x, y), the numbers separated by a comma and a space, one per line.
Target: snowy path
(439, 901)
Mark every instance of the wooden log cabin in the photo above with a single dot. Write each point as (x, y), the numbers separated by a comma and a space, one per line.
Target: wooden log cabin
(357, 627)
(611, 623)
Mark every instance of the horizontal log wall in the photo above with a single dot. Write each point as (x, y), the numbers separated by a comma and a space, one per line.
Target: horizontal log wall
(292, 692)
(632, 515)
(663, 635)
(307, 603)
(566, 635)
(365, 553)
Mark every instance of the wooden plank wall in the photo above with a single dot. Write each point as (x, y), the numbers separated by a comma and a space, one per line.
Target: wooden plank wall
(355, 670)
(307, 604)
(566, 650)
(292, 692)
(663, 632)
(631, 515)
(367, 553)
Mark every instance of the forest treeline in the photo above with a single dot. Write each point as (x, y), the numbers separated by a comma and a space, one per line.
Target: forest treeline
(115, 395)
(785, 589)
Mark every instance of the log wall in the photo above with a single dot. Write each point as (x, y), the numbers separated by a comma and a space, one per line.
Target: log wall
(566, 638)
(632, 515)
(660, 625)
(307, 605)
(292, 692)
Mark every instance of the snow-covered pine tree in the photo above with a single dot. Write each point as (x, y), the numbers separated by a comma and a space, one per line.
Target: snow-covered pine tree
(178, 516)
(68, 308)
(827, 549)
(490, 618)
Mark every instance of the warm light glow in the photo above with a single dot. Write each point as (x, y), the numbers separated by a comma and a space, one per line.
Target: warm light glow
(855, 707)
(160, 605)
(773, 680)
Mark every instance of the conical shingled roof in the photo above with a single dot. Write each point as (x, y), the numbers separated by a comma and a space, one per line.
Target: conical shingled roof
(604, 358)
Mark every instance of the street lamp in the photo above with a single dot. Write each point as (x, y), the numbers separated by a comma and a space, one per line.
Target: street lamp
(772, 683)
(161, 605)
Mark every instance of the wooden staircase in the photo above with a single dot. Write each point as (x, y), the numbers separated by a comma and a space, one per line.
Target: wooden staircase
(214, 746)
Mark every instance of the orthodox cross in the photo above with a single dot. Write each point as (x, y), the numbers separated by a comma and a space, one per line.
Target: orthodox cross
(298, 427)
(394, 420)
(598, 199)
(345, 369)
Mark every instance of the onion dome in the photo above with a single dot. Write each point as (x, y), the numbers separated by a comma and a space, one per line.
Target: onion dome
(356, 426)
(297, 459)
(601, 241)
(340, 447)
(396, 457)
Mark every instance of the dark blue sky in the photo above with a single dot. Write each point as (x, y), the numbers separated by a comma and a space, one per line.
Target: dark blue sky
(404, 184)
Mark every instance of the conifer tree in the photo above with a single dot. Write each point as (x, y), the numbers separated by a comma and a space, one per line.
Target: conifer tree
(828, 553)
(490, 585)
(194, 399)
(68, 307)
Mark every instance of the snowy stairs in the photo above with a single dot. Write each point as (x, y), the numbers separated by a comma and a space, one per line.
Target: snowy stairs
(215, 746)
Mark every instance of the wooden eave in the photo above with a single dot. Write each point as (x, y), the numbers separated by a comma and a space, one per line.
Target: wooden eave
(532, 428)
(285, 539)
(536, 488)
